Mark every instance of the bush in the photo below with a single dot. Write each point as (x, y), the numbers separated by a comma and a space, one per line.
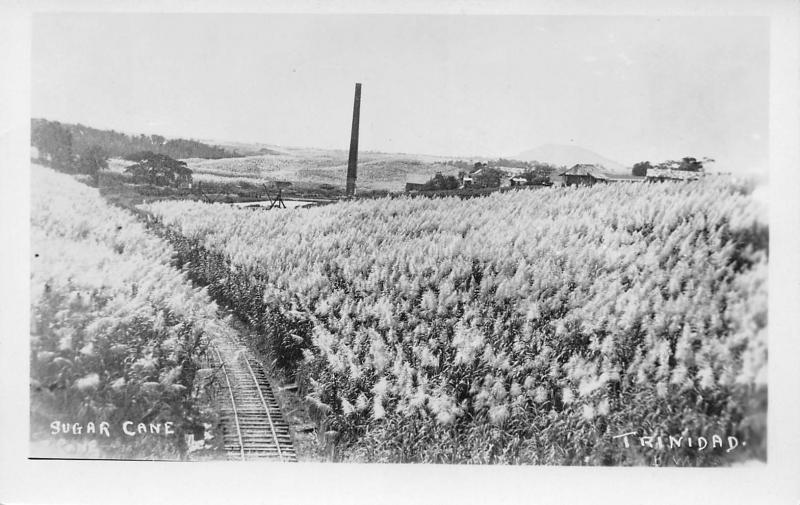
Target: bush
(158, 169)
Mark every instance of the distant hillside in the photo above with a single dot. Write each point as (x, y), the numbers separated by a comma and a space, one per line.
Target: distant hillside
(565, 155)
(119, 144)
(376, 171)
(246, 148)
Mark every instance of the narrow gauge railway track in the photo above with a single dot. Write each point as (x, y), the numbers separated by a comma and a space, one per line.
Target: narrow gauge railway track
(252, 422)
(253, 426)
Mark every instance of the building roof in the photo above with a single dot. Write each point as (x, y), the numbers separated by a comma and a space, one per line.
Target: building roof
(596, 171)
(669, 173)
(625, 177)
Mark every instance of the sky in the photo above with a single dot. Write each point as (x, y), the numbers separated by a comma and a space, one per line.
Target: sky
(629, 88)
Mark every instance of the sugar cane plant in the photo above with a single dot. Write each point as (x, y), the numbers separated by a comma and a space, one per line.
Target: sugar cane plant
(529, 326)
(117, 333)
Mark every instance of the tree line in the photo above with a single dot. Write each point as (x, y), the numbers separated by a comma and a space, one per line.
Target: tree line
(57, 148)
(76, 149)
(63, 140)
(532, 166)
(489, 174)
(540, 169)
(688, 164)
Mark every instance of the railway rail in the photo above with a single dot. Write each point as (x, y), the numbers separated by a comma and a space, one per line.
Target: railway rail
(252, 422)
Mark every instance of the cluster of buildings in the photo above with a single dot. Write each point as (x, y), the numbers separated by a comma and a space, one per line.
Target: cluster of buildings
(589, 175)
(582, 174)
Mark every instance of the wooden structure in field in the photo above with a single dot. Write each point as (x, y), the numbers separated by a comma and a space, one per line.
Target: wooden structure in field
(202, 193)
(416, 182)
(277, 202)
(352, 161)
(584, 175)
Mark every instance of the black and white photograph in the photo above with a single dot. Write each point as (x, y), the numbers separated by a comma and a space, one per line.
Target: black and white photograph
(396, 240)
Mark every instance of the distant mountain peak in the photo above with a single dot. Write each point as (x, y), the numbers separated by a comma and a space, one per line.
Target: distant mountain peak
(568, 155)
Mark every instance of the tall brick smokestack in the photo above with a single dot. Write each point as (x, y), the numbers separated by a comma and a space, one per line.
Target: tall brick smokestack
(352, 162)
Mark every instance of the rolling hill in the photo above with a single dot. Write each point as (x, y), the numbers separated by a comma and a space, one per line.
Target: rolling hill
(566, 155)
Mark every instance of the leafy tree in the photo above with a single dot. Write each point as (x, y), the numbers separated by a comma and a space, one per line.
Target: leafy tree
(503, 162)
(543, 168)
(440, 182)
(537, 178)
(91, 161)
(158, 169)
(688, 164)
(691, 165)
(54, 143)
(640, 169)
(488, 177)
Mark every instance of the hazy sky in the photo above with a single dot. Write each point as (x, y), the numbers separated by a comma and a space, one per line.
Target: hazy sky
(630, 88)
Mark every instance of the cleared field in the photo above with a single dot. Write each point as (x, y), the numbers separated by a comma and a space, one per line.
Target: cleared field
(524, 327)
(375, 171)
